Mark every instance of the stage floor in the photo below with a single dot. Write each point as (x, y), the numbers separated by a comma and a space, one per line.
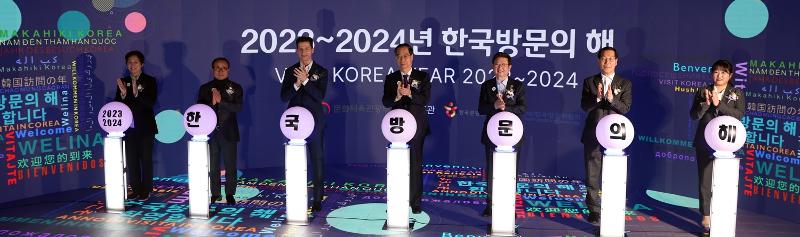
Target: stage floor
(355, 206)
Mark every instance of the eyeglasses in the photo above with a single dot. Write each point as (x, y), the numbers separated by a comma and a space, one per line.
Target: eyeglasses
(604, 59)
(501, 64)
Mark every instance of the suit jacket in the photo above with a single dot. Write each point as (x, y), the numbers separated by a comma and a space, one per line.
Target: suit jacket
(732, 104)
(420, 96)
(310, 95)
(144, 119)
(514, 98)
(595, 110)
(230, 104)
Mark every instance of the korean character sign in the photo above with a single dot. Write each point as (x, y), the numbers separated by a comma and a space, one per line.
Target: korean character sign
(615, 133)
(505, 130)
(199, 120)
(725, 134)
(297, 123)
(399, 126)
(115, 118)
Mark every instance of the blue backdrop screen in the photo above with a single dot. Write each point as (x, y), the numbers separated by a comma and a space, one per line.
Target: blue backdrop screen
(59, 62)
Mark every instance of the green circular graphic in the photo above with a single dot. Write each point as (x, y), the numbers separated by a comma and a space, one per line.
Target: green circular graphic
(170, 127)
(368, 219)
(746, 18)
(243, 192)
(10, 19)
(673, 199)
(74, 25)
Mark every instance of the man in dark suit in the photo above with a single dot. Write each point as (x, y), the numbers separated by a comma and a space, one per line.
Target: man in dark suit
(225, 97)
(603, 94)
(304, 84)
(138, 92)
(410, 89)
(497, 95)
(710, 102)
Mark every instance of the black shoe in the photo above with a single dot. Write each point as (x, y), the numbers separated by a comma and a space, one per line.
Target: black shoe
(132, 196)
(487, 211)
(316, 206)
(416, 210)
(215, 199)
(143, 197)
(594, 218)
(230, 200)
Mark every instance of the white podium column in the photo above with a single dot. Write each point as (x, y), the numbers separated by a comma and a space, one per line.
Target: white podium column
(115, 175)
(725, 189)
(504, 191)
(614, 186)
(199, 187)
(296, 183)
(397, 187)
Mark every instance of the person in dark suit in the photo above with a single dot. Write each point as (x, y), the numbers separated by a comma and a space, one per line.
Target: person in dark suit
(498, 94)
(410, 89)
(603, 94)
(226, 98)
(138, 92)
(719, 99)
(304, 84)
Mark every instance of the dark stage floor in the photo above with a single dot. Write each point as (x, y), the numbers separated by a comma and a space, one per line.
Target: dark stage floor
(354, 206)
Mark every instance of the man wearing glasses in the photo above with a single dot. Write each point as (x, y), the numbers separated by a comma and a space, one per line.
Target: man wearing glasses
(410, 89)
(603, 94)
(225, 97)
(497, 95)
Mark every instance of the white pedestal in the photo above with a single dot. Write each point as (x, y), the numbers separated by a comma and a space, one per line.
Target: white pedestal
(725, 187)
(397, 188)
(199, 186)
(504, 192)
(115, 175)
(614, 185)
(296, 184)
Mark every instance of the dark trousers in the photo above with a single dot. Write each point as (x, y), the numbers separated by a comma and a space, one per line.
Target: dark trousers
(316, 150)
(415, 169)
(220, 148)
(489, 151)
(705, 169)
(139, 160)
(593, 163)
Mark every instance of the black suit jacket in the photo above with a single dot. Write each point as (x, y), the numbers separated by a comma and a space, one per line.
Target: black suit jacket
(230, 104)
(732, 104)
(595, 110)
(144, 119)
(310, 95)
(514, 98)
(420, 96)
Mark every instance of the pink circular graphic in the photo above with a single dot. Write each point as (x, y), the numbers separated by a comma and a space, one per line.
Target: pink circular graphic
(135, 22)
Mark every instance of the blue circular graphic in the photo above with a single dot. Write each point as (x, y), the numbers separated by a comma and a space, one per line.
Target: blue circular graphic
(368, 219)
(74, 25)
(746, 18)
(10, 19)
(170, 127)
(125, 3)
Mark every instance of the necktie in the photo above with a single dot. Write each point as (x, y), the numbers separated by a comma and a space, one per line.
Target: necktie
(405, 79)
(135, 88)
